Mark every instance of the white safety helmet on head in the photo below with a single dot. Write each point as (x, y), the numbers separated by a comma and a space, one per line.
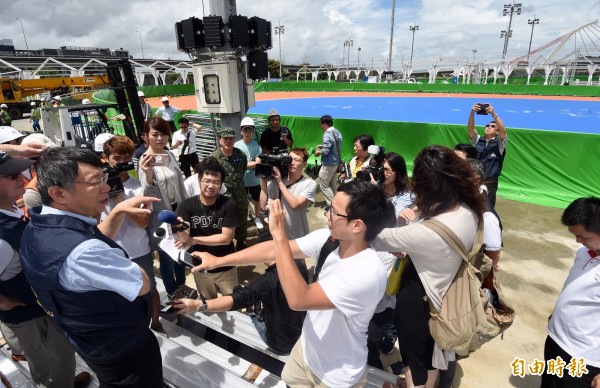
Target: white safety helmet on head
(100, 140)
(273, 112)
(3, 106)
(57, 98)
(141, 94)
(86, 101)
(33, 103)
(165, 99)
(38, 138)
(247, 122)
(8, 134)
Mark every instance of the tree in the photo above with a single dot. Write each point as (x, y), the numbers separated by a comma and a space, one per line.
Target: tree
(274, 68)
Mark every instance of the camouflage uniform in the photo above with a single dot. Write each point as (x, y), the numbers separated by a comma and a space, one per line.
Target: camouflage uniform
(235, 167)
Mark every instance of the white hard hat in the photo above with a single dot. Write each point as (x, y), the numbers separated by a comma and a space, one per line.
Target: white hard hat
(100, 140)
(247, 121)
(141, 94)
(38, 138)
(57, 98)
(165, 99)
(33, 103)
(273, 112)
(8, 133)
(86, 101)
(3, 106)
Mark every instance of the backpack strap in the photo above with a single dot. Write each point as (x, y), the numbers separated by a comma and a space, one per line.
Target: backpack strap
(452, 239)
(330, 245)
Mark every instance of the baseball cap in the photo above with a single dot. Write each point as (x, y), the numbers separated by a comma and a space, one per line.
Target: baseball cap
(10, 165)
(100, 140)
(226, 132)
(273, 112)
(38, 138)
(9, 133)
(141, 94)
(247, 121)
(164, 99)
(86, 101)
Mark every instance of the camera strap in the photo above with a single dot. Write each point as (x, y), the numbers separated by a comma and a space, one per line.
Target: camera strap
(290, 185)
(186, 143)
(330, 245)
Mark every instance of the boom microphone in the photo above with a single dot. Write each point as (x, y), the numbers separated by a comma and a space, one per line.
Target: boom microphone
(166, 216)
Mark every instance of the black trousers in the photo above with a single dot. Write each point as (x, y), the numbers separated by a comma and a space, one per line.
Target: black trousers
(143, 369)
(492, 187)
(188, 162)
(551, 351)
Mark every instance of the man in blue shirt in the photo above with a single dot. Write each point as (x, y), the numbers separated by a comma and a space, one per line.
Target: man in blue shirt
(330, 158)
(82, 278)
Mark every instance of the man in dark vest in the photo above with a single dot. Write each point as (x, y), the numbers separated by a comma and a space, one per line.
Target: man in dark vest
(25, 325)
(82, 278)
(491, 147)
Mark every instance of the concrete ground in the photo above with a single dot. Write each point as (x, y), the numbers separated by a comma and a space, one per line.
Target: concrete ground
(538, 252)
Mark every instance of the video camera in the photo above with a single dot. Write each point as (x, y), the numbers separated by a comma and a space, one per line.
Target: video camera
(114, 181)
(277, 158)
(375, 167)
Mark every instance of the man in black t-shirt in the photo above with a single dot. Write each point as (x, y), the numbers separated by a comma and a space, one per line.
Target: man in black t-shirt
(276, 135)
(212, 219)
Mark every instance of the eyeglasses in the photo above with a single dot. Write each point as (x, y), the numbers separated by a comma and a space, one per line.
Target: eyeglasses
(491, 125)
(13, 177)
(97, 183)
(330, 213)
(209, 182)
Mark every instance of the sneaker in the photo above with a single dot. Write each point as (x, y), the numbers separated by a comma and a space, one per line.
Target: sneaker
(388, 340)
(258, 223)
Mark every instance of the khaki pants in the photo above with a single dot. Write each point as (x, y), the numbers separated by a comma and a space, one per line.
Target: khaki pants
(328, 181)
(207, 283)
(297, 374)
(50, 357)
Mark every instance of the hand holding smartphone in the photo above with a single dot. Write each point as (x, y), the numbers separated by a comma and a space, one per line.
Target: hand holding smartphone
(159, 160)
(170, 309)
(482, 109)
(188, 260)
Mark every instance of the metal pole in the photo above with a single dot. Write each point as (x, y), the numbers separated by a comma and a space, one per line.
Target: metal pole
(389, 62)
(141, 44)
(280, 30)
(358, 59)
(532, 23)
(24, 37)
(509, 9)
(203, 14)
(474, 52)
(413, 29)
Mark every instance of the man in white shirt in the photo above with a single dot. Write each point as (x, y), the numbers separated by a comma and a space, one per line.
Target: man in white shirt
(332, 350)
(146, 108)
(167, 112)
(573, 326)
(184, 140)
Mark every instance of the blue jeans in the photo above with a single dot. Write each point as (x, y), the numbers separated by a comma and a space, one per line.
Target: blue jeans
(36, 125)
(172, 273)
(260, 328)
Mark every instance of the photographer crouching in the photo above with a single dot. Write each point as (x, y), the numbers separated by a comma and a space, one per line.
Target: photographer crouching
(288, 183)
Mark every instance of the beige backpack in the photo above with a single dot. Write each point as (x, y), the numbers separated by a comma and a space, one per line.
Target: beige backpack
(468, 319)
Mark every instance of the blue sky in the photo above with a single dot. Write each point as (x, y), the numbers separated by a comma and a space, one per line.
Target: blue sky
(315, 31)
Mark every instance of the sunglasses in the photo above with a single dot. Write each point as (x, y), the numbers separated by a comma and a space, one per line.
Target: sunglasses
(13, 177)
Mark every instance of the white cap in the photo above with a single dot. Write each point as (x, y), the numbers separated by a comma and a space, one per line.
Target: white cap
(38, 138)
(86, 101)
(273, 112)
(3, 106)
(165, 99)
(247, 121)
(33, 103)
(100, 140)
(141, 94)
(57, 98)
(8, 133)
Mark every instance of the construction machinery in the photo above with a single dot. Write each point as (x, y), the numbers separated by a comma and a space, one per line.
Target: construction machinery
(18, 93)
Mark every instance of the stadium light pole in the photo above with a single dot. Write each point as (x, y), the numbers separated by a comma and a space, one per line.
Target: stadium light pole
(280, 30)
(509, 9)
(532, 23)
(358, 58)
(474, 52)
(24, 37)
(389, 61)
(412, 46)
(348, 43)
(141, 44)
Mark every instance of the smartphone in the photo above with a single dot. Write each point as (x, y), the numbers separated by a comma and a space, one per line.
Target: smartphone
(159, 160)
(188, 260)
(482, 108)
(169, 309)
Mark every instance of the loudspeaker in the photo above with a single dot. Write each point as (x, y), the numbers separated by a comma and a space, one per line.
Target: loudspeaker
(213, 31)
(193, 34)
(179, 36)
(238, 28)
(258, 64)
(260, 33)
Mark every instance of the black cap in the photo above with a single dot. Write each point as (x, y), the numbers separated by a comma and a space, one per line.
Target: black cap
(10, 165)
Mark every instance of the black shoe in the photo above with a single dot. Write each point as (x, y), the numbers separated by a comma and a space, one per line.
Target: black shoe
(82, 380)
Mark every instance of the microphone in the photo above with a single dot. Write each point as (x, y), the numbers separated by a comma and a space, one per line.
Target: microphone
(163, 231)
(168, 217)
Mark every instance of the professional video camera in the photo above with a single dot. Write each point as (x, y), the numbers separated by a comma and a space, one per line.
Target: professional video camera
(375, 167)
(277, 158)
(114, 181)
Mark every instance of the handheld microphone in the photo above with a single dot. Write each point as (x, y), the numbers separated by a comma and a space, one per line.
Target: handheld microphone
(163, 231)
(168, 217)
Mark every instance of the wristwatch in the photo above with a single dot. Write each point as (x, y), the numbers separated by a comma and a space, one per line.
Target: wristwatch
(204, 305)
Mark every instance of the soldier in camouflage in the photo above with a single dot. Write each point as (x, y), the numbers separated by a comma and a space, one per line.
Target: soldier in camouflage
(234, 162)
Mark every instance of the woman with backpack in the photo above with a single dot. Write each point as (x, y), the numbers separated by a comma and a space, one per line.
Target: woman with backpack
(446, 190)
